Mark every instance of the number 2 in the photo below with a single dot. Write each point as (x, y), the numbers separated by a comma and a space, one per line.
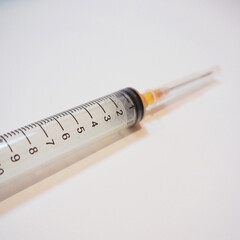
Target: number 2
(120, 112)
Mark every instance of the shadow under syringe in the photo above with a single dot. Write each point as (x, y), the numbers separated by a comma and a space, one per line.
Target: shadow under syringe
(102, 149)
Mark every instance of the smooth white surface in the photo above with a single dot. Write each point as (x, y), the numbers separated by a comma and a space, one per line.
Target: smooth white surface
(177, 177)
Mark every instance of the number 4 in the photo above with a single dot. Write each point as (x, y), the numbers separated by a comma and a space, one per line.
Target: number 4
(94, 124)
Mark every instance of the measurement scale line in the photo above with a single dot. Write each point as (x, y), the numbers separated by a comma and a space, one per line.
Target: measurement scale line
(125, 97)
(73, 117)
(58, 123)
(42, 129)
(87, 112)
(101, 107)
(113, 102)
(7, 143)
(25, 135)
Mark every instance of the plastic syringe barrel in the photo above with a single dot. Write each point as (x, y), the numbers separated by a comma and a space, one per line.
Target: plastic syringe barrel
(36, 151)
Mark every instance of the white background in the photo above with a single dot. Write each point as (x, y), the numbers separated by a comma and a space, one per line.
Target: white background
(178, 176)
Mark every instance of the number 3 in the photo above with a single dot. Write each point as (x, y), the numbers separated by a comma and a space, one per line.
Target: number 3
(107, 118)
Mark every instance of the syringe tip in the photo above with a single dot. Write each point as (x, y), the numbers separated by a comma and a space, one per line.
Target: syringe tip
(151, 97)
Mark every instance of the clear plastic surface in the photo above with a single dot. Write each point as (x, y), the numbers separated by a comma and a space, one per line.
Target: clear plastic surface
(35, 151)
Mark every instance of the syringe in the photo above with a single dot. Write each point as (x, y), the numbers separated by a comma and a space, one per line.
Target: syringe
(27, 153)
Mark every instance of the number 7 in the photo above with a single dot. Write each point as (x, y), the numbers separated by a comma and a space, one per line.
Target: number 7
(52, 142)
